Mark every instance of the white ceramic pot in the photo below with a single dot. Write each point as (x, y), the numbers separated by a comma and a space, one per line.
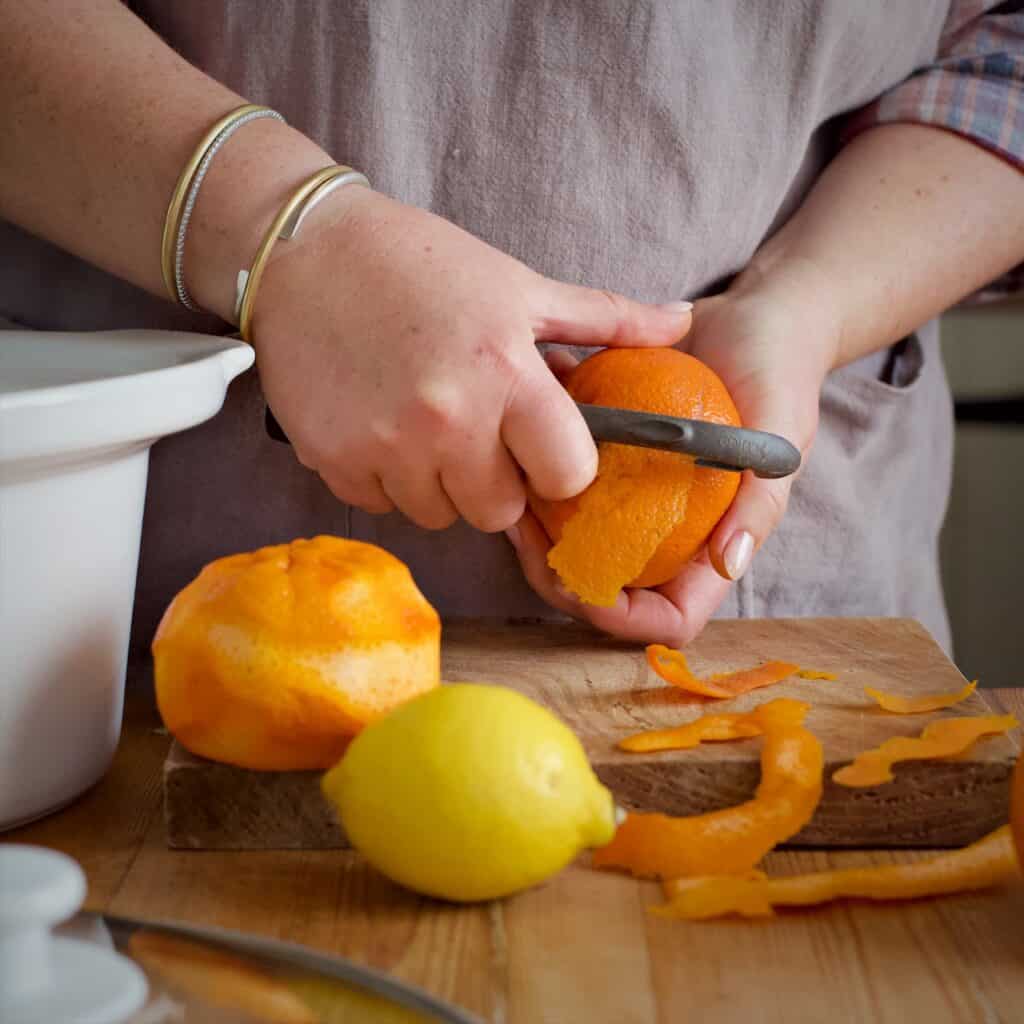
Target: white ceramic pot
(78, 414)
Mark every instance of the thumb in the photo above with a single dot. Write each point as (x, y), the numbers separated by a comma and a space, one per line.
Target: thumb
(586, 316)
(756, 511)
(760, 503)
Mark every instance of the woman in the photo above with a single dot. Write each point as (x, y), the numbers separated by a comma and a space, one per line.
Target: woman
(828, 176)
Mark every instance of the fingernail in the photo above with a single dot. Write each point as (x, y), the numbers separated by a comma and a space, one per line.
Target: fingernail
(514, 536)
(677, 307)
(565, 593)
(738, 553)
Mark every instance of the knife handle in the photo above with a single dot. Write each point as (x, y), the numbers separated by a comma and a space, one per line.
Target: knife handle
(274, 429)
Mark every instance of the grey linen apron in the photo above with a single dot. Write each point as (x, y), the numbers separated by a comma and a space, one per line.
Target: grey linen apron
(647, 147)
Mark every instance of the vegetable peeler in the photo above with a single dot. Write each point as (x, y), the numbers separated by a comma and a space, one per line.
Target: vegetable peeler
(715, 445)
(711, 444)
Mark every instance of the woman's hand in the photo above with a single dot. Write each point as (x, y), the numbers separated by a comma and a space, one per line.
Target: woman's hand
(871, 254)
(772, 354)
(399, 354)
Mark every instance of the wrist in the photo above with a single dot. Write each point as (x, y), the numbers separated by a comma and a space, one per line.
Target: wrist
(246, 185)
(796, 293)
(334, 231)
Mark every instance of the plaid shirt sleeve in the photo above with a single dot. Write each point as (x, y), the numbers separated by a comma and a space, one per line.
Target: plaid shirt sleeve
(975, 88)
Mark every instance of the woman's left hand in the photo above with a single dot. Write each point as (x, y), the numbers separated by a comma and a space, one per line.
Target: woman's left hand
(773, 358)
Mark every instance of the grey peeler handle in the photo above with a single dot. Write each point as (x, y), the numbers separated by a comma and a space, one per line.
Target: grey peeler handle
(712, 444)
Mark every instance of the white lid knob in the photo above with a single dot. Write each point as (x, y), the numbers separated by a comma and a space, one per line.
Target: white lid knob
(51, 979)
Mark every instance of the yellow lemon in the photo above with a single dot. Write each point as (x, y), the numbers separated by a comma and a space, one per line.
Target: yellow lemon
(469, 792)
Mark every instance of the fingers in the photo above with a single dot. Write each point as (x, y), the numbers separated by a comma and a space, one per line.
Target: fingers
(760, 504)
(489, 494)
(366, 493)
(416, 489)
(756, 511)
(586, 316)
(696, 593)
(531, 544)
(561, 363)
(673, 614)
(485, 486)
(451, 466)
(546, 435)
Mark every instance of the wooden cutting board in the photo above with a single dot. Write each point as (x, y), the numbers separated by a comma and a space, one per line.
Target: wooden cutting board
(604, 691)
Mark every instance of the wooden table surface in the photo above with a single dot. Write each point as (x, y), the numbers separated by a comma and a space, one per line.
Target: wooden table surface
(579, 949)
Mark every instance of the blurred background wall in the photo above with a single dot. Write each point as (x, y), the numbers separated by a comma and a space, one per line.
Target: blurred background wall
(983, 539)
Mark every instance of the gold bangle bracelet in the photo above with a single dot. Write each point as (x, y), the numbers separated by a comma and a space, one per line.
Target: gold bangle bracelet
(172, 218)
(285, 226)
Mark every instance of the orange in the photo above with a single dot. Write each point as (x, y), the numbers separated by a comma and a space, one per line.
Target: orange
(648, 512)
(274, 659)
(1017, 808)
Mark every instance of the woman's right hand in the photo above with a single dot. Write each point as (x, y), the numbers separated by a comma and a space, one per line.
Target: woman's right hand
(399, 354)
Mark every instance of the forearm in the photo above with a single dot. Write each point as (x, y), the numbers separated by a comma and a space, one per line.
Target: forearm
(905, 222)
(99, 116)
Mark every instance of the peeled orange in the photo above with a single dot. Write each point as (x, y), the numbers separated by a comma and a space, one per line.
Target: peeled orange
(274, 659)
(648, 512)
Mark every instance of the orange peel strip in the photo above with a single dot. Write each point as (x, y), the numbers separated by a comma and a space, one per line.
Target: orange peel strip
(990, 861)
(939, 739)
(731, 841)
(914, 705)
(636, 500)
(706, 729)
(671, 666)
(810, 673)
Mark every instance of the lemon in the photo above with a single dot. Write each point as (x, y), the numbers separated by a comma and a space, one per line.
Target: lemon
(469, 792)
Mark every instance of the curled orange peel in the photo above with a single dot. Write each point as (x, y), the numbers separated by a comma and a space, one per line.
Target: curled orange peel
(810, 673)
(988, 862)
(671, 666)
(637, 499)
(733, 840)
(914, 705)
(706, 729)
(944, 738)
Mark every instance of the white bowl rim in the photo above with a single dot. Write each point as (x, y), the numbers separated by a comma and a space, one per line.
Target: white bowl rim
(235, 356)
(106, 412)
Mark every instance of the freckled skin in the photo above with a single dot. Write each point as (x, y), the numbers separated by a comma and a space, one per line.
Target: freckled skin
(449, 407)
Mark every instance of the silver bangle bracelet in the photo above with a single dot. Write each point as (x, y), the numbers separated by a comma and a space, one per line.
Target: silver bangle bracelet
(179, 246)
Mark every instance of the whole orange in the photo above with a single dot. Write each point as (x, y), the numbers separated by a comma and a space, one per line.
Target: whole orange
(1017, 808)
(274, 659)
(660, 380)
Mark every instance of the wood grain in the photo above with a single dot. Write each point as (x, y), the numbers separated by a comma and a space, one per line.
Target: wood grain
(1010, 700)
(210, 806)
(604, 690)
(581, 947)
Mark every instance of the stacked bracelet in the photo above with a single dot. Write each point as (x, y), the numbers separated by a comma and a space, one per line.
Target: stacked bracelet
(285, 225)
(179, 210)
